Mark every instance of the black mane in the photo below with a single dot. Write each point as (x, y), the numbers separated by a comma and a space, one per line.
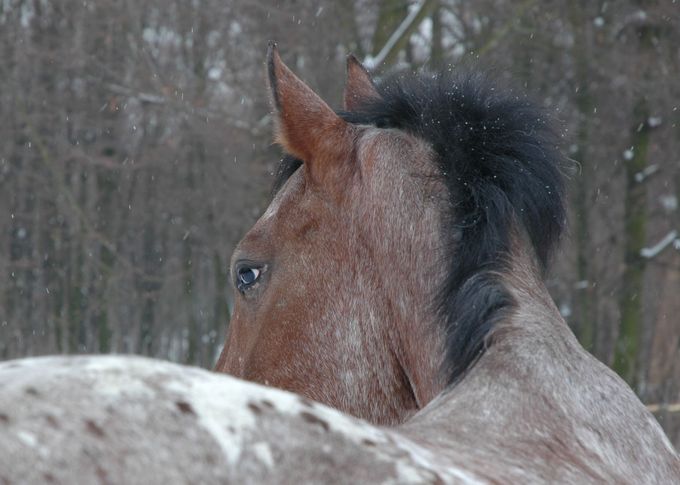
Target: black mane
(501, 164)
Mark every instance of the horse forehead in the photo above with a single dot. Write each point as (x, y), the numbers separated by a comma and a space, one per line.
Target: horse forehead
(291, 189)
(258, 238)
(285, 201)
(386, 152)
(392, 149)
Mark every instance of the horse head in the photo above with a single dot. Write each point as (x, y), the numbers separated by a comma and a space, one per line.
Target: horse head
(372, 279)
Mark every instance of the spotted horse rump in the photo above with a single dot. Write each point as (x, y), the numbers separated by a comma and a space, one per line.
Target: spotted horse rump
(131, 420)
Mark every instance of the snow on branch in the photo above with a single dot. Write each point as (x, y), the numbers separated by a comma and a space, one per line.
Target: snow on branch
(669, 408)
(404, 29)
(647, 172)
(670, 238)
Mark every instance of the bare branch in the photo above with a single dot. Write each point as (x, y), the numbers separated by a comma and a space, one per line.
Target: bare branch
(507, 27)
(157, 99)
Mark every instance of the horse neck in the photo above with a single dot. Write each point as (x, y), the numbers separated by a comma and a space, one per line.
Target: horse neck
(533, 303)
(537, 397)
(420, 362)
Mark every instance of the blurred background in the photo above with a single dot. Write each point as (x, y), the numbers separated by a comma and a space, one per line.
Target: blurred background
(135, 151)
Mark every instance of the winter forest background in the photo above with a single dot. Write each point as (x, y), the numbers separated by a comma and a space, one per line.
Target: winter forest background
(135, 152)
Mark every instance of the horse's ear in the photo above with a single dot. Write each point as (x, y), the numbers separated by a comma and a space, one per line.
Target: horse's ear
(359, 87)
(306, 127)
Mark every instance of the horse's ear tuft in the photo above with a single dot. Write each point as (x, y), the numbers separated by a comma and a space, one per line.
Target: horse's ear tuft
(359, 87)
(305, 126)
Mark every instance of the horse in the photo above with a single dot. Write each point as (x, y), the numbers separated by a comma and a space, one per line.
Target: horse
(398, 275)
(128, 419)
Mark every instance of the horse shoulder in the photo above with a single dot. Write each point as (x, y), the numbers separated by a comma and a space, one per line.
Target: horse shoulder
(538, 408)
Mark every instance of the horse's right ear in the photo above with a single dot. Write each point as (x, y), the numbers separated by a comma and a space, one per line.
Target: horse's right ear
(359, 87)
(306, 127)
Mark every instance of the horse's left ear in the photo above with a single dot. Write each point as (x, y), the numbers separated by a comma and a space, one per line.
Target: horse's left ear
(359, 87)
(306, 127)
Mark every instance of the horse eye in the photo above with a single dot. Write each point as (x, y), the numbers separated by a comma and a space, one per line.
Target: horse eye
(247, 277)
